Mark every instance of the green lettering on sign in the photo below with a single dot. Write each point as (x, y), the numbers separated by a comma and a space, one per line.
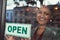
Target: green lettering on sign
(14, 28)
(10, 28)
(19, 30)
(24, 30)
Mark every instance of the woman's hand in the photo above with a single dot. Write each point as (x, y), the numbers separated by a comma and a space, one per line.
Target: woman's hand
(9, 37)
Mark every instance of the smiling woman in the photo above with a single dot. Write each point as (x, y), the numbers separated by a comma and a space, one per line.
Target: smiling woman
(41, 32)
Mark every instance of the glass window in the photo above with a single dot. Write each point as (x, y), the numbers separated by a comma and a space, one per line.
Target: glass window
(7, 14)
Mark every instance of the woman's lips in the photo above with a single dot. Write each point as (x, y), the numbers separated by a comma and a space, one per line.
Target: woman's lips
(42, 19)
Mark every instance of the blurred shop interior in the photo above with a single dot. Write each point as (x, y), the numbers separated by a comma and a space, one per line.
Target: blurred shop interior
(24, 11)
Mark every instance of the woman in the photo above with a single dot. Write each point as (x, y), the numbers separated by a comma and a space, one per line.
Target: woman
(42, 31)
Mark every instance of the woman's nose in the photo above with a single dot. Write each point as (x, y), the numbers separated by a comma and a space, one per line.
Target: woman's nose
(42, 14)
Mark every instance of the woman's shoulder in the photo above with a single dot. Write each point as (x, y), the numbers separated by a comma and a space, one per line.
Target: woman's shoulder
(53, 30)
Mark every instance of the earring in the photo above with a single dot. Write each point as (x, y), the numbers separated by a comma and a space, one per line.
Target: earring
(50, 20)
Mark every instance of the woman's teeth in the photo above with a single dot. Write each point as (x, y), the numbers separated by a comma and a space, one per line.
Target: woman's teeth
(42, 18)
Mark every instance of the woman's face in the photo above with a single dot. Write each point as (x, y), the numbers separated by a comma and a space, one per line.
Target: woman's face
(43, 15)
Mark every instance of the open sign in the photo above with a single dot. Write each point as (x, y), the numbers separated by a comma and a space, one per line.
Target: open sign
(20, 30)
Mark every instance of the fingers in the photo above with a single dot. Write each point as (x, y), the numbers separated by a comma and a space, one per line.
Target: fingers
(22, 38)
(25, 39)
(6, 37)
(9, 37)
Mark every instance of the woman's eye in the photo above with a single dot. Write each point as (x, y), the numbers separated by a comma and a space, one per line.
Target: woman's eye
(39, 12)
(46, 13)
